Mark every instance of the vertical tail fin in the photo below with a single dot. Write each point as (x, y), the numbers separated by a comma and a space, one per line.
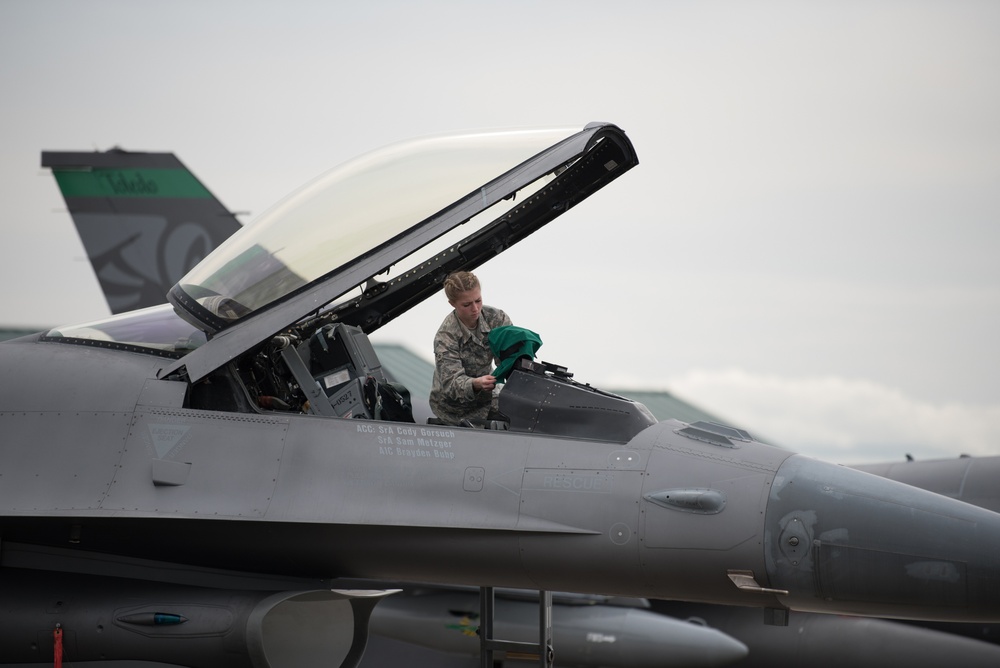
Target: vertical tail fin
(144, 220)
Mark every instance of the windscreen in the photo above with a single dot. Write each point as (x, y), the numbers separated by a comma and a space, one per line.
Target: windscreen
(156, 328)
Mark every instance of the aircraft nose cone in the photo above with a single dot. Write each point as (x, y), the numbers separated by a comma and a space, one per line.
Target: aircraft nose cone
(838, 538)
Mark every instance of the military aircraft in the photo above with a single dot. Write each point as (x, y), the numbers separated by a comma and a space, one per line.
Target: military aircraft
(970, 479)
(139, 210)
(974, 480)
(235, 445)
(144, 219)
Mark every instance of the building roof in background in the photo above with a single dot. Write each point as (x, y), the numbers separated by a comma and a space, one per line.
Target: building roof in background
(666, 406)
(402, 366)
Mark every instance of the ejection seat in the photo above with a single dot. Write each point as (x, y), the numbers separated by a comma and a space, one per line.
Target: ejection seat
(338, 369)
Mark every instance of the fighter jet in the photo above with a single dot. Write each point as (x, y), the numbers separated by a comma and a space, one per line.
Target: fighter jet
(236, 442)
(975, 480)
(130, 209)
(144, 219)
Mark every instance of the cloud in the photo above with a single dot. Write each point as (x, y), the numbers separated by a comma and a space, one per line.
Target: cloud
(842, 420)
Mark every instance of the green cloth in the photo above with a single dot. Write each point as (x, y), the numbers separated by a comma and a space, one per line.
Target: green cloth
(510, 343)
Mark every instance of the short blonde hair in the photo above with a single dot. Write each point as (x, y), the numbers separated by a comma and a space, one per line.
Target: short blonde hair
(458, 282)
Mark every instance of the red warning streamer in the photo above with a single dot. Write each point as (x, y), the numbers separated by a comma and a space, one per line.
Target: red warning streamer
(57, 648)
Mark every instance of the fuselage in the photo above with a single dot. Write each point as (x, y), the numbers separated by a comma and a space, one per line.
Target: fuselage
(101, 456)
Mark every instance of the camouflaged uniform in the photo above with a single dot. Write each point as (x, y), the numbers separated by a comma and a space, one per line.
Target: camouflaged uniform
(461, 354)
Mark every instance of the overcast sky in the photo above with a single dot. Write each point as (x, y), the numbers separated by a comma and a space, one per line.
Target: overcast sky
(808, 247)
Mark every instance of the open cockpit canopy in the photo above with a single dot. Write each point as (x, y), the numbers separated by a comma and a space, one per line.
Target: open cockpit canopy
(277, 317)
(370, 239)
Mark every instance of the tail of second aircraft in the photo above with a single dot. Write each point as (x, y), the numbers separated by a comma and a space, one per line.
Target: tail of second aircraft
(144, 219)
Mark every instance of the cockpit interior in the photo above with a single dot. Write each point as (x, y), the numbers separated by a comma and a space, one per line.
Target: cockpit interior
(277, 318)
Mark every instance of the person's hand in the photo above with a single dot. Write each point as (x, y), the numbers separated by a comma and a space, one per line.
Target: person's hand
(484, 383)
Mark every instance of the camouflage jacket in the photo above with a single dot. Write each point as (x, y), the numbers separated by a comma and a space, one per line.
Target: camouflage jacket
(460, 355)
